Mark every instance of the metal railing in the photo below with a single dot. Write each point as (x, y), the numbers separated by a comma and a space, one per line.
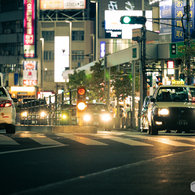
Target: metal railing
(58, 109)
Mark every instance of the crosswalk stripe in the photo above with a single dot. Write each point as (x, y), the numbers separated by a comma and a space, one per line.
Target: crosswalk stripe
(125, 141)
(167, 141)
(45, 141)
(40, 138)
(4, 140)
(81, 139)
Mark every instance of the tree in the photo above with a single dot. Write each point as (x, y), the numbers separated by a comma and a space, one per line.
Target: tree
(185, 53)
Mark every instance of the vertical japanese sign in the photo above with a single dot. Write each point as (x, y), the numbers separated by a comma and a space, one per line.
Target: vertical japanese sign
(29, 28)
(177, 13)
(30, 73)
(102, 49)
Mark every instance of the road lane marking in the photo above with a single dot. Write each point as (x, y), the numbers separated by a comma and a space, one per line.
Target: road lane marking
(124, 140)
(39, 138)
(81, 139)
(167, 140)
(45, 189)
(30, 149)
(4, 140)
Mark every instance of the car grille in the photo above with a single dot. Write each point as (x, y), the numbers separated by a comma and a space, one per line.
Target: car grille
(182, 112)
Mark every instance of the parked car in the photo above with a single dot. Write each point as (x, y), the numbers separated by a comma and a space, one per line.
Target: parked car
(172, 108)
(144, 114)
(7, 111)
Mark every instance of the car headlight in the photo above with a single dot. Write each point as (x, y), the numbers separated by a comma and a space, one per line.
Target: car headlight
(42, 114)
(87, 117)
(163, 112)
(106, 117)
(24, 114)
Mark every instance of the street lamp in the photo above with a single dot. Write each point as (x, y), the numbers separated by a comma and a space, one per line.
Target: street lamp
(96, 28)
(70, 46)
(92, 35)
(42, 56)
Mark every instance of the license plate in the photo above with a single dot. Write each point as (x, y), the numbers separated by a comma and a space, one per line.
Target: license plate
(182, 122)
(96, 123)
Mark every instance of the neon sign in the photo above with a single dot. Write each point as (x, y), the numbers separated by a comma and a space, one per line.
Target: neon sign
(29, 28)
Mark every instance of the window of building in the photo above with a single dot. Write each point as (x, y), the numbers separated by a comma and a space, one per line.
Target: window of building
(48, 35)
(49, 55)
(49, 75)
(78, 35)
(77, 55)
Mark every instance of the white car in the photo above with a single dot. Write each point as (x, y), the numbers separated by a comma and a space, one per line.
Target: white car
(7, 111)
(172, 108)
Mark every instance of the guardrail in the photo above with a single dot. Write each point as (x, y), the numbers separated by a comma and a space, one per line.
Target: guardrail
(58, 109)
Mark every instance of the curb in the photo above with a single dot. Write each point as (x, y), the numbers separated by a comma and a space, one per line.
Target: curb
(57, 129)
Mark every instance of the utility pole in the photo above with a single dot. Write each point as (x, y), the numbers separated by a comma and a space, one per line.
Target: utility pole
(188, 38)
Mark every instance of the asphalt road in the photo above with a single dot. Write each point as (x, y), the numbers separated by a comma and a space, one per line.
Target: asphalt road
(106, 163)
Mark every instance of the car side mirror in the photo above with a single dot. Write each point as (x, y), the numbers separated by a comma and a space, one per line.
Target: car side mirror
(153, 100)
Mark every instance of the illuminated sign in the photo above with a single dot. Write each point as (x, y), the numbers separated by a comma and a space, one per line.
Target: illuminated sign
(62, 4)
(170, 66)
(30, 73)
(102, 49)
(176, 82)
(29, 28)
(61, 52)
(114, 28)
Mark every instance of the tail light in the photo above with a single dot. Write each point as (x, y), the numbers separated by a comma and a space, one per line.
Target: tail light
(6, 103)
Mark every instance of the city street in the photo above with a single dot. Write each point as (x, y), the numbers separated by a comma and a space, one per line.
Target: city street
(106, 163)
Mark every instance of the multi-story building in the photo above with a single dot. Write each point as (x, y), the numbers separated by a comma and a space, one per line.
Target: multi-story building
(74, 22)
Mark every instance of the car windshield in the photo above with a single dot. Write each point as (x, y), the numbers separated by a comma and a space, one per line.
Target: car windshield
(172, 94)
(96, 107)
(2, 93)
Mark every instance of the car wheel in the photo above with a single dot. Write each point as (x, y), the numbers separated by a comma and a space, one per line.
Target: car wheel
(10, 129)
(152, 130)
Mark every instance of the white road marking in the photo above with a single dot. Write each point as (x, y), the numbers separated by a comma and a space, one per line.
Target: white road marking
(30, 149)
(4, 140)
(125, 140)
(81, 139)
(166, 140)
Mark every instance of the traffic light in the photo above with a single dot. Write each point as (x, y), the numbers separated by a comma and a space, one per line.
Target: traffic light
(81, 98)
(133, 20)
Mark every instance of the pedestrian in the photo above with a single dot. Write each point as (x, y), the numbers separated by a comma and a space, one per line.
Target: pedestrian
(127, 110)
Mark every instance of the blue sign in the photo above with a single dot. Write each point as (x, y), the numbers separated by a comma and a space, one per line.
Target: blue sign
(177, 13)
(102, 49)
(16, 79)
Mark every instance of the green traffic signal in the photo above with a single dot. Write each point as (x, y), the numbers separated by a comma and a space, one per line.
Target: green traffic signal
(133, 20)
(126, 19)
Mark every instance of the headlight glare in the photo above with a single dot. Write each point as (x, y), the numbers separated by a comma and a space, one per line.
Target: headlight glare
(106, 117)
(42, 114)
(163, 112)
(87, 118)
(24, 114)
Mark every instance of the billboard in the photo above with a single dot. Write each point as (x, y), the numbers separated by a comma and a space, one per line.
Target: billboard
(29, 28)
(62, 4)
(61, 53)
(30, 73)
(114, 28)
(177, 13)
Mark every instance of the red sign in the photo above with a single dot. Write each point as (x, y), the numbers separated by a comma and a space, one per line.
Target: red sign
(29, 28)
(170, 64)
(29, 66)
(29, 82)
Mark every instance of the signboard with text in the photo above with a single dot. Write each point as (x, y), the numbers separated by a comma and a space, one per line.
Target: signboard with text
(30, 73)
(62, 4)
(29, 28)
(177, 13)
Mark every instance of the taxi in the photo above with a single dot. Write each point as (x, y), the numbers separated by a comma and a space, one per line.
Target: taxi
(172, 107)
(7, 111)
